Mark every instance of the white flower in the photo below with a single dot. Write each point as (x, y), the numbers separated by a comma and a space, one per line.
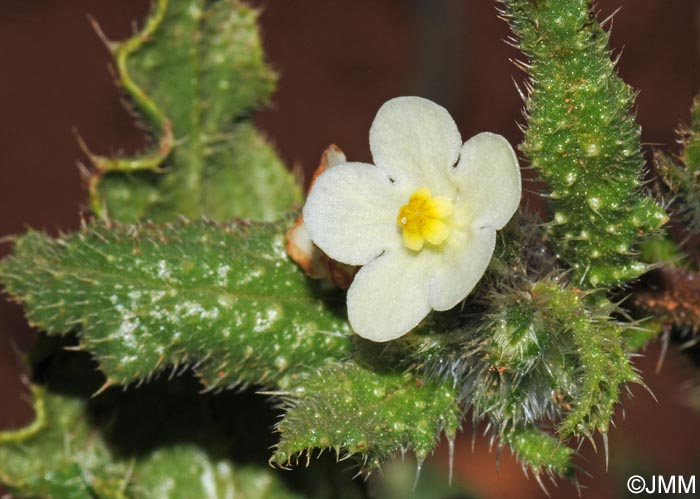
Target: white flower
(422, 222)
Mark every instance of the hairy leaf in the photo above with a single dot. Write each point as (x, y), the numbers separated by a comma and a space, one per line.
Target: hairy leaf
(359, 411)
(194, 74)
(66, 457)
(184, 472)
(223, 298)
(57, 458)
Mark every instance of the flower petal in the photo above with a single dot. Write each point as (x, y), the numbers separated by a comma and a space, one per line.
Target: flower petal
(417, 141)
(488, 179)
(351, 213)
(389, 296)
(457, 268)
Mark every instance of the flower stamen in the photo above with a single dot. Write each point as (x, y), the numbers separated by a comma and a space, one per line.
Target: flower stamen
(423, 219)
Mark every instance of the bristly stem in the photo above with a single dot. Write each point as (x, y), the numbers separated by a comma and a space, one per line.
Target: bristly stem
(582, 137)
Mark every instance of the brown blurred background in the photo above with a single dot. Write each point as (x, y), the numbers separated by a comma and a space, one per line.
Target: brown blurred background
(339, 61)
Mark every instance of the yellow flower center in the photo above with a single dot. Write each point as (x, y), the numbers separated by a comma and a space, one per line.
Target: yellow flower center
(423, 219)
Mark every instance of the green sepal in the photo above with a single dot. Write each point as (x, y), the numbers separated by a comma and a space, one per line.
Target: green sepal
(224, 299)
(545, 356)
(603, 364)
(195, 73)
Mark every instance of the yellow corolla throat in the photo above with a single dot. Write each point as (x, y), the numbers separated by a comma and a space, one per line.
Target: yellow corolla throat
(423, 219)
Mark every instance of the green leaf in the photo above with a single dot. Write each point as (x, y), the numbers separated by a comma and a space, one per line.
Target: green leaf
(184, 472)
(69, 457)
(59, 460)
(582, 137)
(359, 411)
(224, 299)
(194, 74)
